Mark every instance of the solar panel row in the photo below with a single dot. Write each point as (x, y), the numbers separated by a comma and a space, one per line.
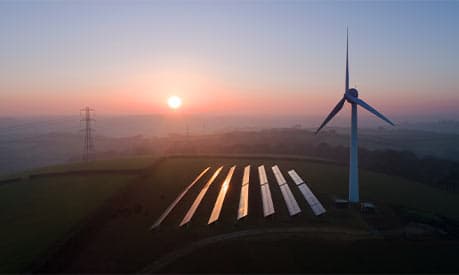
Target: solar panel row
(244, 199)
(221, 197)
(268, 206)
(292, 205)
(199, 198)
(313, 202)
(175, 202)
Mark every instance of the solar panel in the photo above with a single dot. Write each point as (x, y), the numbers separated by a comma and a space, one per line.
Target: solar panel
(262, 175)
(244, 199)
(296, 179)
(199, 198)
(245, 178)
(289, 199)
(313, 202)
(318, 209)
(179, 197)
(279, 177)
(221, 197)
(268, 207)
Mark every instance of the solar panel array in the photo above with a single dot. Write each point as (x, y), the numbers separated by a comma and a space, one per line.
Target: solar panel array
(243, 209)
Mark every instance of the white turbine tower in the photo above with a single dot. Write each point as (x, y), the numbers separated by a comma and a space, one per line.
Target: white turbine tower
(351, 96)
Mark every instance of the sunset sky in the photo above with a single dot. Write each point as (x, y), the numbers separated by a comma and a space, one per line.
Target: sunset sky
(244, 57)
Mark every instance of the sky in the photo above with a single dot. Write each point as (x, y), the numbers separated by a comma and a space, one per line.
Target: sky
(227, 57)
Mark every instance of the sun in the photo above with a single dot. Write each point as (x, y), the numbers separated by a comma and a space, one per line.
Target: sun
(174, 102)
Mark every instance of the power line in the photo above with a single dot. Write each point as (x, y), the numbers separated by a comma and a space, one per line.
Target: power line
(88, 149)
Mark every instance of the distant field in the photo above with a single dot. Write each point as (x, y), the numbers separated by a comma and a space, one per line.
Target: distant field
(111, 164)
(121, 164)
(36, 213)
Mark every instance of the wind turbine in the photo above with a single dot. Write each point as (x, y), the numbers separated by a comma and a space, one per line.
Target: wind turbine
(352, 96)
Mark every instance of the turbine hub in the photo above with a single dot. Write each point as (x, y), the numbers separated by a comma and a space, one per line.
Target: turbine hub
(353, 92)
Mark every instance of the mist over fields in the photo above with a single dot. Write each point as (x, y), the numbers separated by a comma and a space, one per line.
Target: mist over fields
(28, 143)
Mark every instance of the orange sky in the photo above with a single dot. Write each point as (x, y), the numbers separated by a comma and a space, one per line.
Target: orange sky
(237, 57)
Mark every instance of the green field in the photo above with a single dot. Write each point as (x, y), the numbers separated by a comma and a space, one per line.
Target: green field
(110, 164)
(38, 212)
(132, 163)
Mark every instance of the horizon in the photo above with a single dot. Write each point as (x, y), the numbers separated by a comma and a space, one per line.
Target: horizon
(249, 58)
(160, 125)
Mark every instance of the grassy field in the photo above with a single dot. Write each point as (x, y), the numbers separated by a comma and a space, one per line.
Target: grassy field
(123, 243)
(36, 213)
(111, 164)
(134, 163)
(316, 253)
(39, 212)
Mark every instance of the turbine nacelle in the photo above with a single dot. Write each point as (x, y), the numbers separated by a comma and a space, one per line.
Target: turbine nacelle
(353, 92)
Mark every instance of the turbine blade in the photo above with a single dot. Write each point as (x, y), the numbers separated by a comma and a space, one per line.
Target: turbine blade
(371, 109)
(335, 110)
(347, 61)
